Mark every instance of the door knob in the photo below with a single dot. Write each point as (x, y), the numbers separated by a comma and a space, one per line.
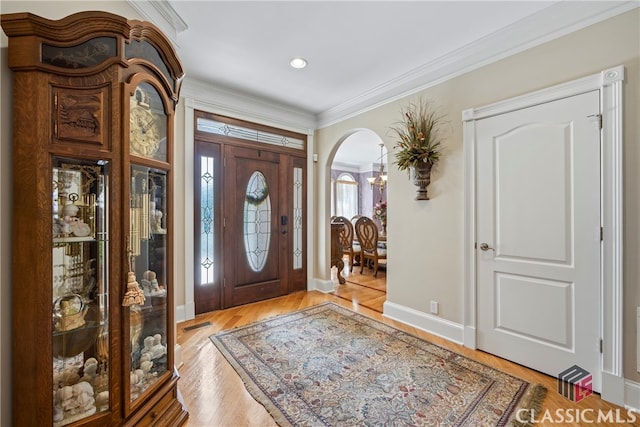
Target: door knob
(485, 247)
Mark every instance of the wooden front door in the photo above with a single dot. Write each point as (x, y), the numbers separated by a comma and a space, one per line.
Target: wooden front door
(256, 226)
(249, 214)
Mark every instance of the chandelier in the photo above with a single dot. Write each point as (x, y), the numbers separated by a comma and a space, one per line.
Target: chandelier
(380, 180)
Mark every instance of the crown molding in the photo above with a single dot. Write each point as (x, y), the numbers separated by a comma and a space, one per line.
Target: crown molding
(555, 21)
(245, 106)
(163, 15)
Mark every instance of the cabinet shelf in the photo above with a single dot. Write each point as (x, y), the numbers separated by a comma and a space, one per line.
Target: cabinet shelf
(87, 325)
(75, 341)
(73, 239)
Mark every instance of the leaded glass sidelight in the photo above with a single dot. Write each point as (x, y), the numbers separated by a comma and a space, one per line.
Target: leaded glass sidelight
(207, 230)
(257, 221)
(297, 218)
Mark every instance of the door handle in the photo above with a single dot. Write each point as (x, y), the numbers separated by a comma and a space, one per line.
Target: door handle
(486, 247)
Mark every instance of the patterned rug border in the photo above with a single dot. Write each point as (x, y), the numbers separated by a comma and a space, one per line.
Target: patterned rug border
(528, 400)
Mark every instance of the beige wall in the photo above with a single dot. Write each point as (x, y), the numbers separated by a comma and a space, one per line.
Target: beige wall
(426, 238)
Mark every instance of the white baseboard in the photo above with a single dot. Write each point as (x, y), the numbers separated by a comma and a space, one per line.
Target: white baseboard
(180, 314)
(190, 310)
(632, 395)
(613, 388)
(470, 337)
(185, 312)
(324, 286)
(433, 324)
(621, 391)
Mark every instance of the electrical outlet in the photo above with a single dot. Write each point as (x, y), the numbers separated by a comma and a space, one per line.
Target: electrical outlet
(434, 307)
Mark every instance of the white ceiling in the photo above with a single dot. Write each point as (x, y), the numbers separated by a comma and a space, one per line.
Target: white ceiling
(360, 53)
(351, 47)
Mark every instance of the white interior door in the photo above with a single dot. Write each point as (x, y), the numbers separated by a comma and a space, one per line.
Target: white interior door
(538, 235)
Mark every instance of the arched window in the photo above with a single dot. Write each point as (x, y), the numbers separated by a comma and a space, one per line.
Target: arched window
(346, 202)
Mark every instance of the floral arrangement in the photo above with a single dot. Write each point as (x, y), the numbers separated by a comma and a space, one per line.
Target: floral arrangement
(380, 212)
(418, 138)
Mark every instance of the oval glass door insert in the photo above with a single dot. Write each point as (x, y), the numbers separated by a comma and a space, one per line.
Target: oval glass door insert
(257, 221)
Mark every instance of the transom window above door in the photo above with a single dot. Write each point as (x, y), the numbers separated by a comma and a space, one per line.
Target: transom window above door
(226, 128)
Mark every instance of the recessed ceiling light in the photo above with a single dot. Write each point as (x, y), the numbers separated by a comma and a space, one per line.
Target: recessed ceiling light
(298, 62)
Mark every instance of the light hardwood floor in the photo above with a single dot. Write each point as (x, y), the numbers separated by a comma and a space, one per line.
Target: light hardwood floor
(363, 289)
(215, 396)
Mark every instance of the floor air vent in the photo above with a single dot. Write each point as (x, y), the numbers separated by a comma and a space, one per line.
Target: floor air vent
(196, 326)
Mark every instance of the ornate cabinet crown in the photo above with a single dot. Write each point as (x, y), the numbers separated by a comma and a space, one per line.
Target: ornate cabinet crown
(94, 96)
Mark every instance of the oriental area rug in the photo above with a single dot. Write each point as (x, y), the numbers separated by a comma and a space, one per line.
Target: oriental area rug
(329, 366)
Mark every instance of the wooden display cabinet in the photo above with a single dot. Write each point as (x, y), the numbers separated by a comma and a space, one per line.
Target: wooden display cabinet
(93, 326)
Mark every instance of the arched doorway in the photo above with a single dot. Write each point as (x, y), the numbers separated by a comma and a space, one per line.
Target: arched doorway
(358, 182)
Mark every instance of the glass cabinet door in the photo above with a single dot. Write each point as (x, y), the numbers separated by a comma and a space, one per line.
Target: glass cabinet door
(80, 303)
(147, 278)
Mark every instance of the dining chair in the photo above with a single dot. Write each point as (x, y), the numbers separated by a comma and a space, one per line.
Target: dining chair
(353, 223)
(349, 247)
(367, 233)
